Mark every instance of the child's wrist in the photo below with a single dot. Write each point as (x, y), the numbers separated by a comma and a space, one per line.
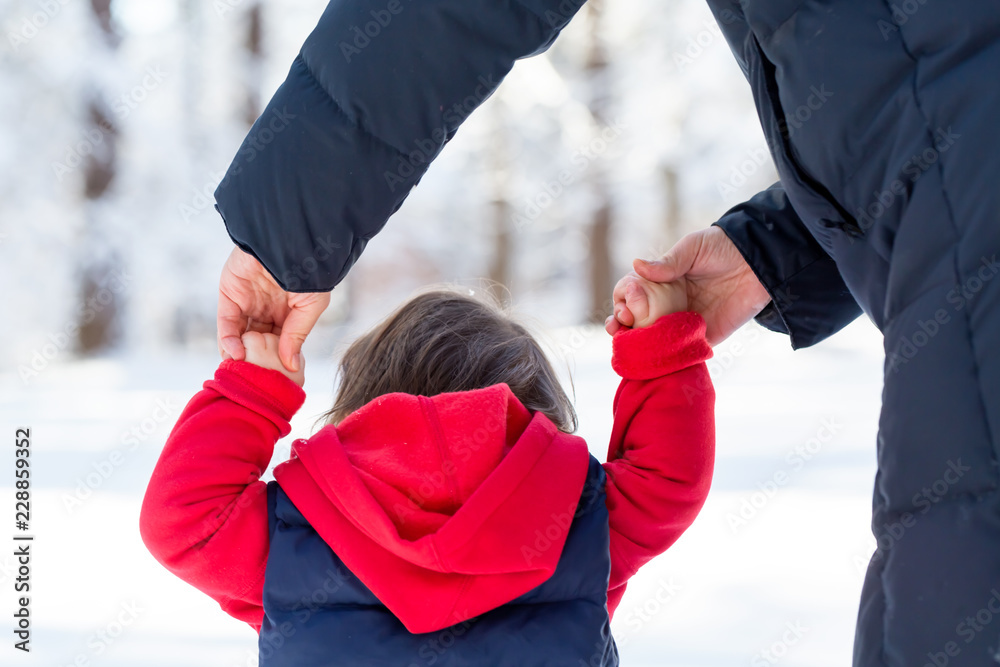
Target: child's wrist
(263, 390)
(674, 342)
(298, 378)
(262, 351)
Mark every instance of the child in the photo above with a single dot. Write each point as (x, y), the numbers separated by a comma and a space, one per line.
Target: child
(444, 515)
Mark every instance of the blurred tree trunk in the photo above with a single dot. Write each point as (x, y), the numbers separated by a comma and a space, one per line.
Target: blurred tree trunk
(100, 303)
(672, 215)
(500, 207)
(599, 231)
(254, 61)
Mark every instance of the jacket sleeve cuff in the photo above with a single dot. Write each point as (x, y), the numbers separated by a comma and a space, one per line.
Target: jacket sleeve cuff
(809, 300)
(263, 390)
(673, 343)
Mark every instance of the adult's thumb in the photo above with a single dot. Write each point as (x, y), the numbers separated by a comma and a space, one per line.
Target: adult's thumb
(230, 324)
(300, 321)
(656, 270)
(673, 265)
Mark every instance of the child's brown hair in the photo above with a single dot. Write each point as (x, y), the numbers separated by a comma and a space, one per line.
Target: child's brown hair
(444, 341)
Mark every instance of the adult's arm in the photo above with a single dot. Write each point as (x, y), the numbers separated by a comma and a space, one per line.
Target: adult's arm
(377, 90)
(204, 515)
(662, 447)
(809, 300)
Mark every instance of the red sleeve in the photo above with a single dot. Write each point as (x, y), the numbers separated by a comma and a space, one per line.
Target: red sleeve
(662, 444)
(204, 515)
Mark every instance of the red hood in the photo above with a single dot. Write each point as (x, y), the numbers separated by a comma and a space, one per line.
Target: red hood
(445, 507)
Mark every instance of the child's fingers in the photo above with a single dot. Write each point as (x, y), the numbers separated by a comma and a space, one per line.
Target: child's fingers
(637, 301)
(624, 315)
(252, 337)
(621, 312)
(254, 343)
(619, 292)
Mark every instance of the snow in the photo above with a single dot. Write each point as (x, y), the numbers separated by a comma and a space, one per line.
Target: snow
(786, 582)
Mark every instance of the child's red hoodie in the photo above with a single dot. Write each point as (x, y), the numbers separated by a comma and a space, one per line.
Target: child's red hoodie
(429, 501)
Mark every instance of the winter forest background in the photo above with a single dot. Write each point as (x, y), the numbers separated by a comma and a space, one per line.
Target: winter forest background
(117, 120)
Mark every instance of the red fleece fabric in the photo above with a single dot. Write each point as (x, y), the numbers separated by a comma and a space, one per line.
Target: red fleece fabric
(430, 501)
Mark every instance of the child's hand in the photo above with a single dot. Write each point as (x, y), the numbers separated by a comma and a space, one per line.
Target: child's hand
(639, 302)
(262, 350)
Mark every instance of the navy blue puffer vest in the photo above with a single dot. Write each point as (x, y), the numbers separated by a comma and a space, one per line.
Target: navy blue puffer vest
(318, 613)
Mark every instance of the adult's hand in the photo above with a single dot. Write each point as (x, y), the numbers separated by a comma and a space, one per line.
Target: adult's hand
(721, 286)
(250, 300)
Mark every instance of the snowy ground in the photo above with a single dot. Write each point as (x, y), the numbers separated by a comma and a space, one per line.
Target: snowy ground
(777, 584)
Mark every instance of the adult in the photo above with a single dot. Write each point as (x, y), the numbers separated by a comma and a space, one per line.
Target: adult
(880, 118)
